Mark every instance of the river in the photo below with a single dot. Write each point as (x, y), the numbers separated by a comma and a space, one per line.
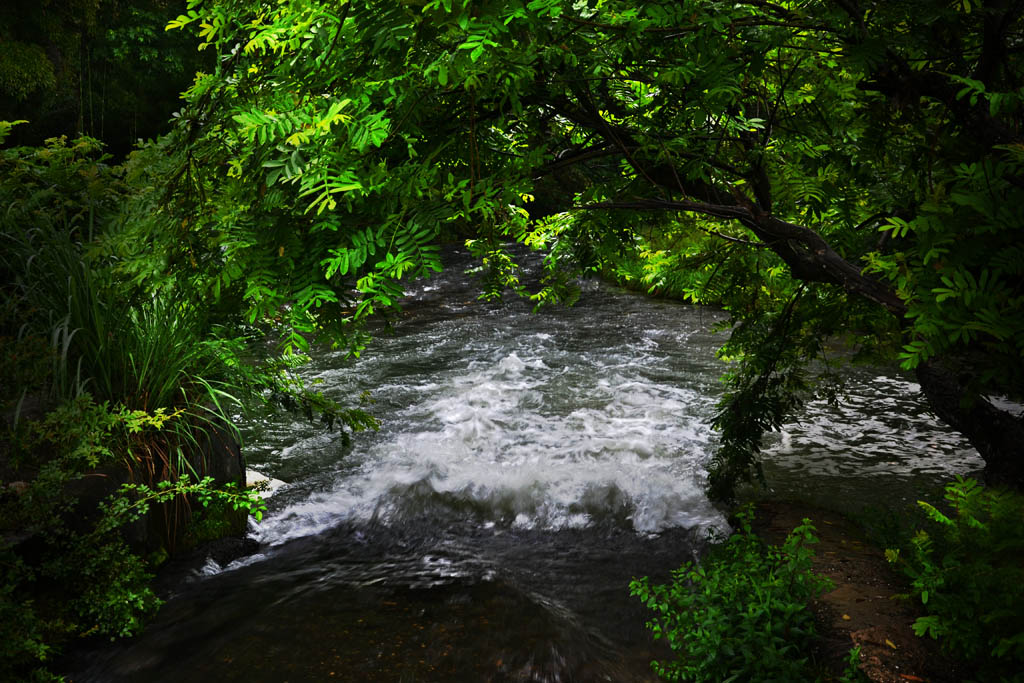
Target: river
(527, 466)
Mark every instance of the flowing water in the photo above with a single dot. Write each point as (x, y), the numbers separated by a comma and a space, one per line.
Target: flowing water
(527, 466)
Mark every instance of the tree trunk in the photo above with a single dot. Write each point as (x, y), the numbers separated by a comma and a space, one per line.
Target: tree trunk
(997, 434)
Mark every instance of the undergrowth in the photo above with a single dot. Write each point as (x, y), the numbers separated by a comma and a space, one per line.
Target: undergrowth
(67, 570)
(742, 613)
(966, 568)
(117, 383)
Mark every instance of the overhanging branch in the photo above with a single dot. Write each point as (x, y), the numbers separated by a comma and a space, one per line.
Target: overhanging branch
(807, 254)
(809, 257)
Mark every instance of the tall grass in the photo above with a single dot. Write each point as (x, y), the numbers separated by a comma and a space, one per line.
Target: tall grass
(144, 342)
(147, 351)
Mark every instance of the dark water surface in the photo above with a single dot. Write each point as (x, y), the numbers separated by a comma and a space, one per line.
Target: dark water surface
(527, 466)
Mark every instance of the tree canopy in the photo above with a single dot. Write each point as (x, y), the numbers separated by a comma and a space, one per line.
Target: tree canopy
(816, 167)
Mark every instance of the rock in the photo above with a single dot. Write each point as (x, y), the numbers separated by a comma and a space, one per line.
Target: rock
(219, 456)
(262, 483)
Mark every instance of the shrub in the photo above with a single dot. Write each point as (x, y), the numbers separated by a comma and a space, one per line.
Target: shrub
(741, 615)
(110, 368)
(967, 570)
(65, 569)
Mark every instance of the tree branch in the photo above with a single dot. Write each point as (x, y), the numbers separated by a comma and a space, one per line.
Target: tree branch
(808, 255)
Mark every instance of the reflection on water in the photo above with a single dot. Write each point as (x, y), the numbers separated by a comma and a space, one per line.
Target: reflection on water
(526, 468)
(881, 447)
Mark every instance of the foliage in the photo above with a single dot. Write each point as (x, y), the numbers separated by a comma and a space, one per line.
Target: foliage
(961, 277)
(146, 352)
(67, 570)
(100, 67)
(150, 343)
(965, 567)
(838, 149)
(62, 185)
(113, 378)
(24, 69)
(741, 614)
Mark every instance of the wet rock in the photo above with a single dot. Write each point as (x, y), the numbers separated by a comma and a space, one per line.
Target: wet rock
(267, 486)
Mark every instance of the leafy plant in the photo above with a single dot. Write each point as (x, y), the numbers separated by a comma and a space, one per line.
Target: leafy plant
(966, 570)
(742, 613)
(118, 334)
(126, 382)
(69, 571)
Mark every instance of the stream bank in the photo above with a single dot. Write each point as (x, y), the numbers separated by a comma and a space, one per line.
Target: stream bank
(863, 609)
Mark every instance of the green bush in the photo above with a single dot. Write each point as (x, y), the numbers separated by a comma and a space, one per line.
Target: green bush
(112, 368)
(65, 569)
(741, 615)
(967, 569)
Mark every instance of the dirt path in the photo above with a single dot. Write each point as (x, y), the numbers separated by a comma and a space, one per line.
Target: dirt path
(861, 610)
